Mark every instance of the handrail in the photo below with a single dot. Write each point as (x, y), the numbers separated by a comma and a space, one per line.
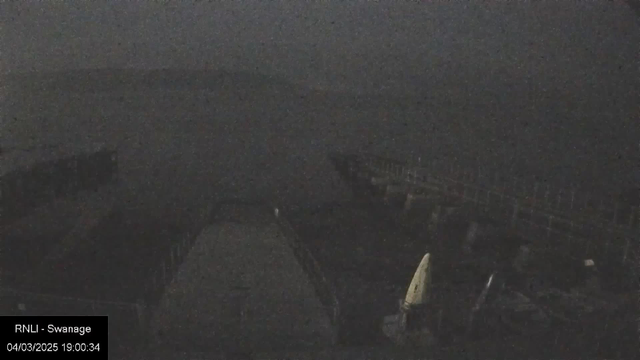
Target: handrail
(325, 291)
(162, 276)
(526, 211)
(586, 216)
(608, 217)
(562, 201)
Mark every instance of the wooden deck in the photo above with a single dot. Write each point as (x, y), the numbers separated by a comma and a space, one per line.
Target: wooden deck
(241, 287)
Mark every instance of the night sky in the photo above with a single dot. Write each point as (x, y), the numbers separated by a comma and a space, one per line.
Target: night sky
(354, 44)
(565, 74)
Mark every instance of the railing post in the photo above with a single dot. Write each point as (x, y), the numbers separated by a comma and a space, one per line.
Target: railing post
(142, 315)
(164, 274)
(154, 284)
(569, 236)
(546, 197)
(558, 199)
(408, 202)
(435, 218)
(470, 238)
(173, 260)
(573, 195)
(626, 251)
(488, 205)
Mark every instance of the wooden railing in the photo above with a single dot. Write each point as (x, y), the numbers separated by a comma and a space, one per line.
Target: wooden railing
(537, 211)
(165, 272)
(569, 203)
(323, 287)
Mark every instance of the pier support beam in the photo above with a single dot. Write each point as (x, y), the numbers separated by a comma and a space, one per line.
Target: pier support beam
(392, 189)
(411, 199)
(379, 181)
(472, 233)
(408, 202)
(435, 218)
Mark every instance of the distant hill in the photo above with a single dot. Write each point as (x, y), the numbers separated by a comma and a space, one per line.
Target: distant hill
(97, 80)
(116, 80)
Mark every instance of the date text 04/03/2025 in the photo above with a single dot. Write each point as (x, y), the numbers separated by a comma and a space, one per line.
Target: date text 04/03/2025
(52, 347)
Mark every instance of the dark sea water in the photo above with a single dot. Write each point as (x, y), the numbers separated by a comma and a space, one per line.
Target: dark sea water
(249, 136)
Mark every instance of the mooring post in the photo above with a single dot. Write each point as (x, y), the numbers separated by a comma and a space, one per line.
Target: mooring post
(154, 284)
(141, 310)
(164, 273)
(626, 251)
(546, 197)
(435, 218)
(514, 216)
(173, 261)
(488, 206)
(408, 201)
(470, 239)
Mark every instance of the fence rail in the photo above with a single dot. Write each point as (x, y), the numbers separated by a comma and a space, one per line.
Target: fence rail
(537, 211)
(162, 276)
(324, 289)
(571, 203)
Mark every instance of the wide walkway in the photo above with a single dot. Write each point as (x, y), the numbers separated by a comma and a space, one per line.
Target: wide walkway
(241, 288)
